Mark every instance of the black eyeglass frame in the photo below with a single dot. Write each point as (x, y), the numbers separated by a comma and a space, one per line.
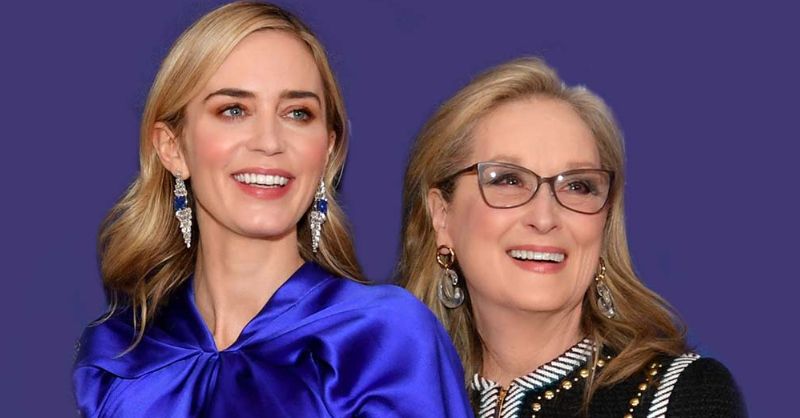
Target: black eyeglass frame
(478, 167)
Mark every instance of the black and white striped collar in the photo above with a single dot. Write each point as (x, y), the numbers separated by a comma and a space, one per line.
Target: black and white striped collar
(576, 356)
(489, 391)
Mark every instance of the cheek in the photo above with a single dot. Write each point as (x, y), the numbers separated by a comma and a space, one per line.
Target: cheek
(477, 231)
(587, 233)
(208, 145)
(479, 224)
(311, 154)
(588, 230)
(305, 146)
(466, 220)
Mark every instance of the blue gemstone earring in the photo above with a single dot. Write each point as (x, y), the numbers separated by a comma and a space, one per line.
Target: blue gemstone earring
(318, 215)
(182, 210)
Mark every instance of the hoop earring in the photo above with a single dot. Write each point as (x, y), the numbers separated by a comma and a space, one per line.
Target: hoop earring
(604, 299)
(182, 210)
(318, 215)
(450, 295)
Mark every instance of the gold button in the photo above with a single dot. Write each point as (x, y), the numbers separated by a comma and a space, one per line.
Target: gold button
(566, 385)
(635, 402)
(642, 387)
(601, 363)
(536, 407)
(653, 372)
(584, 373)
(628, 416)
(653, 365)
(549, 395)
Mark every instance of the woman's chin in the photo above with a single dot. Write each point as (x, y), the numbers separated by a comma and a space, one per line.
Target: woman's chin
(267, 231)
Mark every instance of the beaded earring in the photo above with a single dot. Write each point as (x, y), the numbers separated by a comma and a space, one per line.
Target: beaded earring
(182, 210)
(318, 215)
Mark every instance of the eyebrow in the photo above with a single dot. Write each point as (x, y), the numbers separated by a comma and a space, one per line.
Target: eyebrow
(245, 94)
(300, 94)
(506, 158)
(572, 165)
(584, 164)
(231, 92)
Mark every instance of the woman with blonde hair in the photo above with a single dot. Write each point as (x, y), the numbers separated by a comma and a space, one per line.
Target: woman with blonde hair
(233, 285)
(514, 235)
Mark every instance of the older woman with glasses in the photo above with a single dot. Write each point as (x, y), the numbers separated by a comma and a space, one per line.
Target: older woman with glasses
(515, 237)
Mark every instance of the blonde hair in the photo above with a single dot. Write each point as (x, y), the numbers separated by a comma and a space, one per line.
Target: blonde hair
(645, 326)
(142, 255)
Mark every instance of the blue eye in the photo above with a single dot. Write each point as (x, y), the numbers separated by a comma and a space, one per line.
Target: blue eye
(233, 112)
(299, 114)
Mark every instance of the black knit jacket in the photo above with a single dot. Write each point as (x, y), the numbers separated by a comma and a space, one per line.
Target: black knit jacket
(685, 387)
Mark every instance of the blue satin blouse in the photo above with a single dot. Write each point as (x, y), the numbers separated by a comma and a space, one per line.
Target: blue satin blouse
(323, 346)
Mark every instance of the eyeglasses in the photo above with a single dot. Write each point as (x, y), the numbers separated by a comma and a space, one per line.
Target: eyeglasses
(505, 185)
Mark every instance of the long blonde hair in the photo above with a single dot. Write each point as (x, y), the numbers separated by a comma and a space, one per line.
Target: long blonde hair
(645, 325)
(142, 255)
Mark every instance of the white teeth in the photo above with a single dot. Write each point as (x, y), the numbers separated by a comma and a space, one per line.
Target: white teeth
(261, 179)
(537, 256)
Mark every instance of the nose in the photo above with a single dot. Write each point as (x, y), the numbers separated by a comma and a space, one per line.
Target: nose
(542, 212)
(267, 137)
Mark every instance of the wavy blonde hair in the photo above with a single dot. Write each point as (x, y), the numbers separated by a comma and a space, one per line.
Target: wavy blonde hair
(645, 326)
(142, 255)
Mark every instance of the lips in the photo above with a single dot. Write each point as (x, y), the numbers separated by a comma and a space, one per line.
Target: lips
(539, 259)
(264, 180)
(263, 183)
(555, 257)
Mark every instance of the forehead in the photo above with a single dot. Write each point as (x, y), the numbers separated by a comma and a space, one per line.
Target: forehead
(543, 134)
(266, 62)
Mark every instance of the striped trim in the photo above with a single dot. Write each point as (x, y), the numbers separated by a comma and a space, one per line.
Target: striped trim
(658, 407)
(489, 394)
(513, 401)
(545, 375)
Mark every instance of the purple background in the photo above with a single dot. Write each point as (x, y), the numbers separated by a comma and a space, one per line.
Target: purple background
(706, 95)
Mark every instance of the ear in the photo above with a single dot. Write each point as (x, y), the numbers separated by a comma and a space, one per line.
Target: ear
(331, 144)
(437, 208)
(169, 150)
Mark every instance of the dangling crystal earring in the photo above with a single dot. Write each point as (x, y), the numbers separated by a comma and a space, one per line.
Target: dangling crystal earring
(604, 301)
(450, 294)
(318, 215)
(182, 210)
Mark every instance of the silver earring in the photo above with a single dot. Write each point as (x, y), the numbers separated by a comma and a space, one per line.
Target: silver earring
(182, 210)
(604, 299)
(318, 215)
(450, 294)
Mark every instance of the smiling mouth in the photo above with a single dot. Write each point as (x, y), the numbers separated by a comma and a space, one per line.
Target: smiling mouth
(261, 180)
(525, 255)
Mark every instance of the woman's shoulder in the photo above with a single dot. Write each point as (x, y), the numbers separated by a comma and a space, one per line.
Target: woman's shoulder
(107, 345)
(384, 305)
(391, 301)
(695, 386)
(104, 337)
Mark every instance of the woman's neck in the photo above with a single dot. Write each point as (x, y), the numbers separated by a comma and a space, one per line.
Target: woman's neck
(235, 276)
(517, 342)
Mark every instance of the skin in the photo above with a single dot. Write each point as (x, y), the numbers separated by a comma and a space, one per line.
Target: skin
(525, 314)
(263, 109)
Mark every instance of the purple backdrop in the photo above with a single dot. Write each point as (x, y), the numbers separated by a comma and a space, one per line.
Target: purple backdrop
(706, 96)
